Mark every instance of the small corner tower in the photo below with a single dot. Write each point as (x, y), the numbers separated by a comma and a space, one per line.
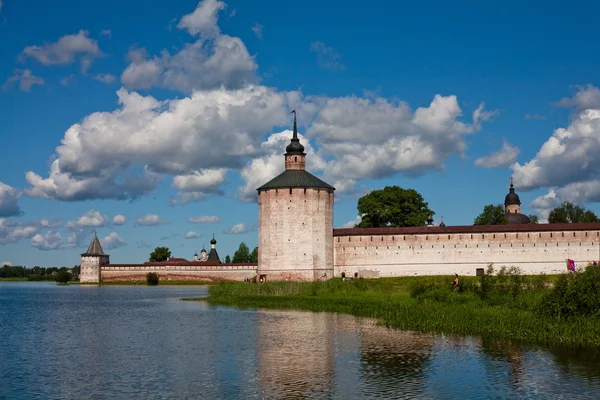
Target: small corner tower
(512, 203)
(295, 221)
(92, 261)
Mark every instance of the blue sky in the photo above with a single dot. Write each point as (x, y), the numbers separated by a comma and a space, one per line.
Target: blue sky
(161, 112)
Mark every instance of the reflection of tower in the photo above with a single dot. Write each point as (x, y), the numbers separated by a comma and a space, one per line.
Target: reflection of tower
(295, 221)
(92, 261)
(295, 354)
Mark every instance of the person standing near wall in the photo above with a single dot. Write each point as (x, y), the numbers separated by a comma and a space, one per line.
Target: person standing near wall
(455, 284)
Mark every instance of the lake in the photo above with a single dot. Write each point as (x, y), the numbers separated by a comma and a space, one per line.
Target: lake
(121, 342)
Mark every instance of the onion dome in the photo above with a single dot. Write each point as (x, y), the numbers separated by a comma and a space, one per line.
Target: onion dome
(213, 241)
(295, 146)
(430, 220)
(512, 198)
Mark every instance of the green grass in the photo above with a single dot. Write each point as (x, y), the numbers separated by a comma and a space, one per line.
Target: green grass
(502, 314)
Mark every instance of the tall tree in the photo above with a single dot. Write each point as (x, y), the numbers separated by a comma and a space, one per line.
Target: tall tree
(534, 218)
(393, 206)
(160, 254)
(570, 213)
(242, 254)
(491, 215)
(227, 259)
(254, 255)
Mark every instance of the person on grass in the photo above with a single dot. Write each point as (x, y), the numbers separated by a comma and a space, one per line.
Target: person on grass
(455, 284)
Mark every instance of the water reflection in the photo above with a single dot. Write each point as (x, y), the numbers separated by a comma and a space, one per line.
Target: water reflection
(140, 342)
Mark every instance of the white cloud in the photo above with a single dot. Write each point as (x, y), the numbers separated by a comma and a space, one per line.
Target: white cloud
(192, 235)
(106, 32)
(67, 79)
(504, 157)
(215, 60)
(353, 223)
(105, 78)
(49, 223)
(237, 229)
(6, 262)
(327, 56)
(534, 116)
(112, 241)
(9, 198)
(25, 78)
(51, 240)
(91, 219)
(204, 219)
(119, 219)
(151, 220)
(198, 185)
(23, 232)
(156, 138)
(258, 30)
(203, 20)
(566, 163)
(66, 50)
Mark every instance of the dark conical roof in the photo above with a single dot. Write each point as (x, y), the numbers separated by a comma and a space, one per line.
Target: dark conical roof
(213, 256)
(512, 198)
(95, 248)
(295, 146)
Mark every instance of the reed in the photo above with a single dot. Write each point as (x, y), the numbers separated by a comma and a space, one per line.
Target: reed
(510, 307)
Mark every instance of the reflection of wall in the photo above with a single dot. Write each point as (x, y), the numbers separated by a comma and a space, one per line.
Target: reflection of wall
(189, 271)
(295, 354)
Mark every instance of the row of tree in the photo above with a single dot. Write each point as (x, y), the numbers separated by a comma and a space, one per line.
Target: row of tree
(36, 273)
(242, 255)
(394, 206)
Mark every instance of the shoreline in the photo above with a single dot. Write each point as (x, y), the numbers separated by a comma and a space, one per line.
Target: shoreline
(393, 303)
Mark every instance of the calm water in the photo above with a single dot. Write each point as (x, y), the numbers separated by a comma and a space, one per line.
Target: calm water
(79, 342)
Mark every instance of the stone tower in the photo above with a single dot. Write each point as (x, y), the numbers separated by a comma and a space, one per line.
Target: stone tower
(512, 203)
(92, 261)
(295, 222)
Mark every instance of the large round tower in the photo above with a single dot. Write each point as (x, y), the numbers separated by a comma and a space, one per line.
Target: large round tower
(295, 222)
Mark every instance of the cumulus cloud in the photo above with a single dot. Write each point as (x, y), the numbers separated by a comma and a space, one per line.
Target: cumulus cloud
(112, 241)
(150, 220)
(119, 219)
(51, 240)
(91, 219)
(214, 60)
(148, 138)
(237, 229)
(204, 219)
(258, 30)
(12, 231)
(67, 80)
(566, 162)
(66, 50)
(25, 78)
(353, 223)
(9, 198)
(504, 157)
(327, 56)
(197, 185)
(192, 235)
(105, 78)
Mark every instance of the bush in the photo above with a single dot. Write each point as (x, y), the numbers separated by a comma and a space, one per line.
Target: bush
(63, 276)
(152, 279)
(574, 294)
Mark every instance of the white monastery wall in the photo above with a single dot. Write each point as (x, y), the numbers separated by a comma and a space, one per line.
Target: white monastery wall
(90, 268)
(217, 273)
(295, 234)
(397, 254)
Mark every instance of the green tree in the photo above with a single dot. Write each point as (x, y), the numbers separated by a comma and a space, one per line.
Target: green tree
(254, 255)
(393, 206)
(570, 213)
(533, 218)
(491, 215)
(63, 276)
(242, 254)
(152, 279)
(227, 259)
(160, 254)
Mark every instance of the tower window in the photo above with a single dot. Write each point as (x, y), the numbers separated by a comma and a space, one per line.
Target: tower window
(295, 158)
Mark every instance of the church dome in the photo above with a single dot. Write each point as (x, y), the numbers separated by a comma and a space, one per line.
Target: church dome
(512, 198)
(295, 146)
(213, 241)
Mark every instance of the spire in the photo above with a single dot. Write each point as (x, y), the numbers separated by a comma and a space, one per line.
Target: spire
(512, 188)
(295, 146)
(95, 248)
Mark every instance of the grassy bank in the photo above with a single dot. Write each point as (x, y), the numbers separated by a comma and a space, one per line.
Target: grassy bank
(508, 306)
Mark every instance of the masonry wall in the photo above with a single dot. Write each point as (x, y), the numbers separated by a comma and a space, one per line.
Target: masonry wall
(90, 268)
(400, 252)
(181, 272)
(295, 234)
